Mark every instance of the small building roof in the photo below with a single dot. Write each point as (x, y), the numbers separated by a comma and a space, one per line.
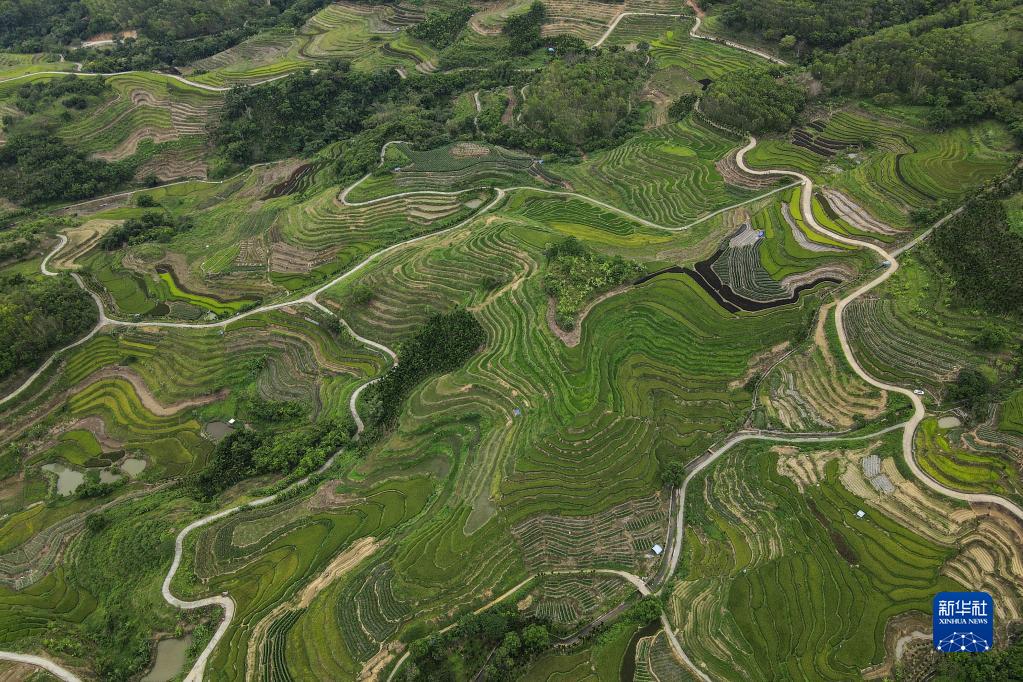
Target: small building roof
(658, 549)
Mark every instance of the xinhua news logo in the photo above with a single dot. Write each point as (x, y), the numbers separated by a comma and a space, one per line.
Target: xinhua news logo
(963, 622)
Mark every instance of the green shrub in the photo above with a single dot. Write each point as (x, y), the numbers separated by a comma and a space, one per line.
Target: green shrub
(574, 275)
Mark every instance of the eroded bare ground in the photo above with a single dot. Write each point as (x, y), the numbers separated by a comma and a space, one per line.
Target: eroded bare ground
(907, 642)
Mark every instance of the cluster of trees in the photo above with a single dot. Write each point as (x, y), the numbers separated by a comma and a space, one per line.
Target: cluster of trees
(20, 236)
(575, 274)
(287, 447)
(941, 61)
(994, 665)
(683, 106)
(73, 92)
(822, 23)
(755, 100)
(984, 255)
(441, 28)
(152, 226)
(42, 25)
(972, 389)
(93, 487)
(300, 114)
(355, 113)
(585, 101)
(497, 642)
(523, 30)
(38, 316)
(37, 167)
(441, 345)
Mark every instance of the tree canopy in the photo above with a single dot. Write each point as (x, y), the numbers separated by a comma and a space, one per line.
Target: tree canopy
(38, 316)
(755, 100)
(961, 70)
(585, 102)
(984, 255)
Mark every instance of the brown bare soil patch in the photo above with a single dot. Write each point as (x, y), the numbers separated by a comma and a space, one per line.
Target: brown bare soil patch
(374, 668)
(79, 241)
(733, 175)
(759, 363)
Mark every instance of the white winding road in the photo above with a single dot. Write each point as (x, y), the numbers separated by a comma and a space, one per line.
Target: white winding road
(181, 79)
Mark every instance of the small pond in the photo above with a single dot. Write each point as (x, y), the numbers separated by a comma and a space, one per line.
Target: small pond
(219, 430)
(170, 659)
(68, 479)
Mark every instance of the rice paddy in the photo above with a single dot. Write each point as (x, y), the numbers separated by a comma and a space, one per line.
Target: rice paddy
(774, 566)
(485, 487)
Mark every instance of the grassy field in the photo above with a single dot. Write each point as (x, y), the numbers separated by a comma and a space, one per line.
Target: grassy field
(1012, 413)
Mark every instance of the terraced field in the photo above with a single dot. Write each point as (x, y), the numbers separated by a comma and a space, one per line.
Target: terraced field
(987, 470)
(909, 332)
(158, 122)
(666, 175)
(886, 164)
(533, 473)
(147, 107)
(813, 389)
(369, 37)
(777, 563)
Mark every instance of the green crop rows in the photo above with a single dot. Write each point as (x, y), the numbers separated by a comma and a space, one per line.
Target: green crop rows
(802, 571)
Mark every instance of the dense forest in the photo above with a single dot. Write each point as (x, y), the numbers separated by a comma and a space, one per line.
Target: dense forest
(575, 274)
(965, 63)
(523, 30)
(300, 114)
(585, 102)
(497, 642)
(984, 255)
(41, 25)
(152, 226)
(821, 23)
(37, 167)
(755, 100)
(996, 665)
(442, 344)
(37, 316)
(441, 28)
(286, 446)
(357, 112)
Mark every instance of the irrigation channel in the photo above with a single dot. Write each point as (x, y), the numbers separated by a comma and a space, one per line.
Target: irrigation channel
(694, 468)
